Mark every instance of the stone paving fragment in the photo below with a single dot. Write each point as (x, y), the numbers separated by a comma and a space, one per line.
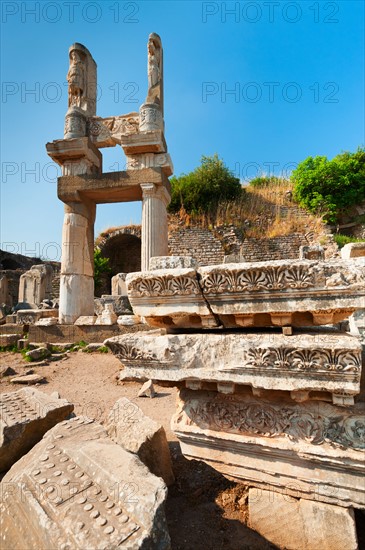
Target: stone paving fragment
(77, 489)
(26, 415)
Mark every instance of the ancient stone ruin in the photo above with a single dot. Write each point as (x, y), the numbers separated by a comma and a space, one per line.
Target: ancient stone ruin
(84, 185)
(267, 383)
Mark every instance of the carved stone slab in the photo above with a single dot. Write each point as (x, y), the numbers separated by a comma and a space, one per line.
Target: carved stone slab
(31, 316)
(283, 292)
(128, 426)
(327, 361)
(310, 450)
(77, 489)
(25, 416)
(169, 298)
(260, 294)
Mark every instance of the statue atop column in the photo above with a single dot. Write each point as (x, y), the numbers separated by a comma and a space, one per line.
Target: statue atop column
(81, 78)
(151, 112)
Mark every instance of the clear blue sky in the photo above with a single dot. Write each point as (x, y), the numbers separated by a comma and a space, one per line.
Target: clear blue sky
(295, 70)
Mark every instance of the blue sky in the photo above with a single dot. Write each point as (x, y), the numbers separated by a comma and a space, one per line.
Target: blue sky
(262, 83)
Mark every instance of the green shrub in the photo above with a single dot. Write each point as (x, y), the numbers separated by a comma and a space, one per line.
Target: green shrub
(261, 181)
(201, 191)
(328, 187)
(341, 240)
(101, 265)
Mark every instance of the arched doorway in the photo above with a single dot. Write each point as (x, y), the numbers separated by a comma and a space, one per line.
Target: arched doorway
(123, 248)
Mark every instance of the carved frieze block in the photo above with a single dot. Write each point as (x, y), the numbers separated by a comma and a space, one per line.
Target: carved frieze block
(329, 362)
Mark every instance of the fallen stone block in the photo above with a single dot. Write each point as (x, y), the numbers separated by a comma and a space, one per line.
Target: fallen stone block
(31, 316)
(9, 339)
(6, 371)
(107, 316)
(120, 304)
(47, 322)
(26, 415)
(297, 524)
(353, 250)
(128, 320)
(283, 292)
(38, 354)
(307, 361)
(172, 262)
(177, 294)
(311, 450)
(77, 489)
(85, 320)
(128, 426)
(28, 378)
(147, 390)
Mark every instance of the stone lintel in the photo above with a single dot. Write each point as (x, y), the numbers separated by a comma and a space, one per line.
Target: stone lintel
(310, 450)
(63, 150)
(329, 362)
(124, 186)
(144, 142)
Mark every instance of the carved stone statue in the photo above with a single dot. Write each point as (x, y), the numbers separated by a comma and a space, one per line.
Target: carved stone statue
(75, 79)
(81, 78)
(155, 70)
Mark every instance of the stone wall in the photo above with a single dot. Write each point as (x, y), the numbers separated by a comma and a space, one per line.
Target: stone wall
(197, 242)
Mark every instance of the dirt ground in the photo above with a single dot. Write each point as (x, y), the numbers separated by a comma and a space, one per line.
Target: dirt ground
(204, 510)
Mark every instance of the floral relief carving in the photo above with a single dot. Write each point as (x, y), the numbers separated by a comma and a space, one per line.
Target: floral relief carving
(274, 421)
(164, 286)
(258, 279)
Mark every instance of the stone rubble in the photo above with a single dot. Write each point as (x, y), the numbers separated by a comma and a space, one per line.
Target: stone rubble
(26, 415)
(129, 427)
(78, 489)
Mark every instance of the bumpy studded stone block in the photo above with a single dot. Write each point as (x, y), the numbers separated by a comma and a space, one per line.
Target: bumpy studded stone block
(25, 416)
(78, 489)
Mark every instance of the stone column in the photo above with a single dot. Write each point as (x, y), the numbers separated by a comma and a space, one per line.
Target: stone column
(154, 222)
(77, 266)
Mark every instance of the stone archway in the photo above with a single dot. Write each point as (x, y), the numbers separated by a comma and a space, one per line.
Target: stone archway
(123, 248)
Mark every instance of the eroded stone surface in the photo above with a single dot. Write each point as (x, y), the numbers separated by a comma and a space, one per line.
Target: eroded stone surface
(31, 316)
(305, 361)
(26, 415)
(297, 524)
(311, 450)
(260, 294)
(128, 426)
(172, 262)
(283, 292)
(169, 298)
(78, 489)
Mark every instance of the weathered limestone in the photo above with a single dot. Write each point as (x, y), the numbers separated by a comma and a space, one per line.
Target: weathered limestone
(26, 415)
(301, 524)
(154, 222)
(9, 339)
(353, 250)
(328, 362)
(172, 262)
(85, 320)
(83, 185)
(313, 252)
(310, 450)
(32, 316)
(82, 87)
(129, 427)
(78, 489)
(119, 287)
(5, 297)
(177, 294)
(283, 292)
(120, 304)
(107, 316)
(261, 294)
(35, 286)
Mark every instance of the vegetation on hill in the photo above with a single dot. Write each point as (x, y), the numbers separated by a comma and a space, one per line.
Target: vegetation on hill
(203, 189)
(328, 187)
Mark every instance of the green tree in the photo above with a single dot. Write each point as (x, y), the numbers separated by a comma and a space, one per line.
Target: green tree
(328, 187)
(201, 190)
(101, 265)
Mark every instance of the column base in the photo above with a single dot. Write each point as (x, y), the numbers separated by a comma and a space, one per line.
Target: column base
(75, 292)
